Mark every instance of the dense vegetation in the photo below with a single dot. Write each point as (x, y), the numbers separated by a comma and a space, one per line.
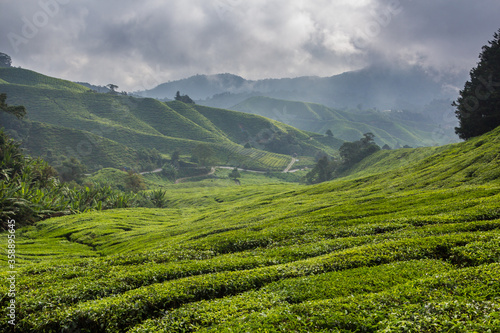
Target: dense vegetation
(351, 153)
(478, 107)
(407, 246)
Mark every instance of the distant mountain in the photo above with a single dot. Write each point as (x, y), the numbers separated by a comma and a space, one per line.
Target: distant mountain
(111, 130)
(394, 128)
(381, 86)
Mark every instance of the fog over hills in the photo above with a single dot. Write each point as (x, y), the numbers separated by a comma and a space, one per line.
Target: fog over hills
(378, 86)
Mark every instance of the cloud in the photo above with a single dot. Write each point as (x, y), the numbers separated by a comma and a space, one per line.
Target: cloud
(137, 45)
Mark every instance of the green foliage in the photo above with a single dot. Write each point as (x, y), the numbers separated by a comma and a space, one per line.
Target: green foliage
(134, 182)
(322, 172)
(235, 174)
(353, 152)
(157, 198)
(71, 169)
(478, 107)
(203, 155)
(29, 188)
(169, 171)
(18, 111)
(98, 198)
(406, 246)
(5, 60)
(183, 98)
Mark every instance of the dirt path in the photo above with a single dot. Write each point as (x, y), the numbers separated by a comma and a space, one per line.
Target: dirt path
(290, 165)
(154, 171)
(212, 171)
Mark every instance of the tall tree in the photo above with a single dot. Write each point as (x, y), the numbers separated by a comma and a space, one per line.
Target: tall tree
(5, 60)
(112, 87)
(183, 98)
(478, 107)
(235, 174)
(353, 152)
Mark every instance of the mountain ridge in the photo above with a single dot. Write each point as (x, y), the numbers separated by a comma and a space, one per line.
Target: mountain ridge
(382, 86)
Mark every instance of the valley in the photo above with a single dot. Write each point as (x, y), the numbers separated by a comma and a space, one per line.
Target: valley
(198, 219)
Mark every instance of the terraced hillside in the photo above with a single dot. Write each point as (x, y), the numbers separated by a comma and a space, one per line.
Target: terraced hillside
(390, 127)
(108, 130)
(413, 246)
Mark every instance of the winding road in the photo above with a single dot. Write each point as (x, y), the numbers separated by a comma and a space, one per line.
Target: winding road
(212, 171)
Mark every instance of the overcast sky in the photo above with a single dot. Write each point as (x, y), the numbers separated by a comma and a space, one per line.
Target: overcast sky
(139, 44)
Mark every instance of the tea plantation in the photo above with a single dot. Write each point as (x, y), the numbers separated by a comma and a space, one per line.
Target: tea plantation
(409, 243)
(103, 130)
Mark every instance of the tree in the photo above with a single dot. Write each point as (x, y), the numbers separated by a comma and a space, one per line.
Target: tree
(478, 107)
(353, 152)
(176, 155)
(134, 182)
(5, 60)
(203, 154)
(71, 169)
(329, 133)
(170, 171)
(183, 98)
(321, 172)
(235, 174)
(18, 111)
(112, 87)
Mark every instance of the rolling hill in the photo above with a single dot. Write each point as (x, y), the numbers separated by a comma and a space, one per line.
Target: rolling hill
(394, 128)
(110, 130)
(408, 242)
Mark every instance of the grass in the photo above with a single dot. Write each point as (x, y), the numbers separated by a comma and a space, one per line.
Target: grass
(404, 247)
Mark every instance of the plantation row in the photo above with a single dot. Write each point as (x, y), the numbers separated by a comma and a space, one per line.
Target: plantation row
(129, 308)
(206, 260)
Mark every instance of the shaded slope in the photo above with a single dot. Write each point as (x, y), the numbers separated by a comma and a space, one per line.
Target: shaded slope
(392, 128)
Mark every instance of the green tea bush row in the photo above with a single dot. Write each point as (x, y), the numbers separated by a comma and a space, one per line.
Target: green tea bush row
(459, 301)
(116, 313)
(194, 316)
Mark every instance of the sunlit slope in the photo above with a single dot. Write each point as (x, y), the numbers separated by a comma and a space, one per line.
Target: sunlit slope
(29, 78)
(475, 161)
(414, 249)
(138, 123)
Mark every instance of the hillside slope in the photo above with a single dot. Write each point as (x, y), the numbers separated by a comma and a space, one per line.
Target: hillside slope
(394, 128)
(92, 120)
(415, 247)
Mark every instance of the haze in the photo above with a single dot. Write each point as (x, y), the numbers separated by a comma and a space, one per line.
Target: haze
(140, 44)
